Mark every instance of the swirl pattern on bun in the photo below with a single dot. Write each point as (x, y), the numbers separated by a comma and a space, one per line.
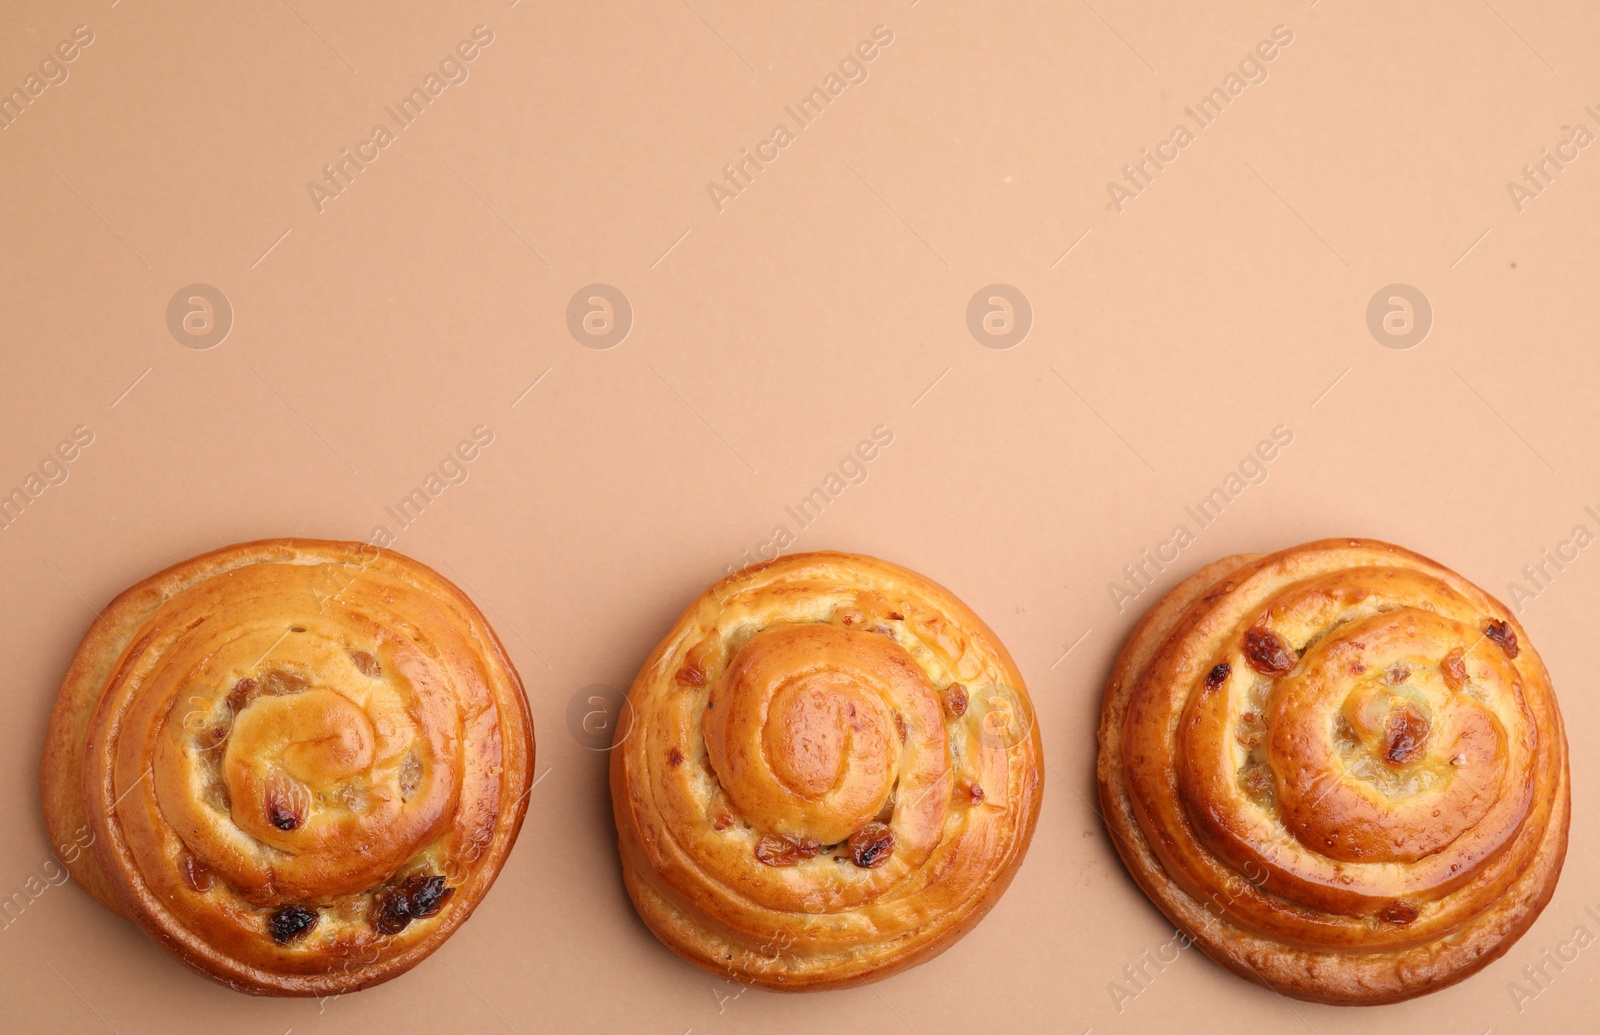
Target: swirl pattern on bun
(831, 773)
(1339, 768)
(299, 765)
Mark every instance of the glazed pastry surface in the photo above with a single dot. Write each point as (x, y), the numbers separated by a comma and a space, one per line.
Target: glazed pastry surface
(298, 765)
(1339, 768)
(829, 772)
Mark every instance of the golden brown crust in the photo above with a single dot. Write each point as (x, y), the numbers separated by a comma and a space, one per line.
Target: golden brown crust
(298, 765)
(1340, 769)
(831, 774)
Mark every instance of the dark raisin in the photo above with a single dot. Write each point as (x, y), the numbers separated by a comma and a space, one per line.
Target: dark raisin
(243, 692)
(1218, 675)
(1454, 669)
(674, 756)
(897, 616)
(1398, 912)
(782, 850)
(366, 664)
(415, 898)
(281, 816)
(1504, 635)
(955, 700)
(393, 913)
(1267, 653)
(871, 845)
(290, 923)
(428, 895)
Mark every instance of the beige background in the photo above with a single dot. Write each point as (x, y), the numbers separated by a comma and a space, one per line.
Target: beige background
(826, 299)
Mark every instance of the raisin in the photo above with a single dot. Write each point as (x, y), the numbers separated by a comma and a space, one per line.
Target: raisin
(1267, 653)
(955, 700)
(195, 873)
(782, 850)
(1405, 732)
(281, 817)
(415, 898)
(674, 756)
(970, 791)
(1398, 912)
(281, 681)
(287, 801)
(1504, 635)
(1454, 669)
(900, 726)
(691, 675)
(1397, 673)
(366, 664)
(897, 616)
(428, 896)
(290, 923)
(721, 821)
(393, 914)
(243, 692)
(1217, 676)
(871, 845)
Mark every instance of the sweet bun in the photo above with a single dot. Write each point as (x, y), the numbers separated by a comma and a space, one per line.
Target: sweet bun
(1339, 769)
(297, 765)
(831, 773)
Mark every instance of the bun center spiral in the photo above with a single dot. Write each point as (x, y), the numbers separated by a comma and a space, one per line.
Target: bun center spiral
(807, 730)
(1419, 762)
(306, 759)
(1356, 739)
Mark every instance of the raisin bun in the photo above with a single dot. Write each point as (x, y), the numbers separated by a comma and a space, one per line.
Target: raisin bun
(1339, 768)
(299, 765)
(830, 772)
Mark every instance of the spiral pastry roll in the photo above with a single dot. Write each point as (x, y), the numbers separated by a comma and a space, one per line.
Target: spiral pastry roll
(831, 773)
(297, 765)
(1340, 769)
